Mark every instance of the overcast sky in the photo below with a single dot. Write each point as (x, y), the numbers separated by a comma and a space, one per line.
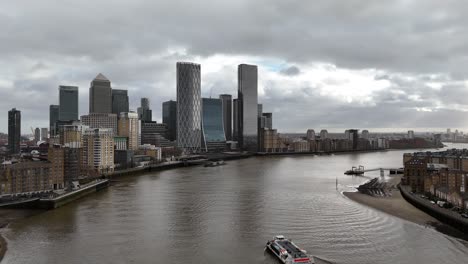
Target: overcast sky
(378, 65)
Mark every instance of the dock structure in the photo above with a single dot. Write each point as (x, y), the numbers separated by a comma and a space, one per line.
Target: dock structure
(375, 188)
(360, 170)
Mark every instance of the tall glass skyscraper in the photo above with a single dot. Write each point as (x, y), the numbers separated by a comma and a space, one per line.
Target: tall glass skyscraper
(14, 131)
(53, 118)
(226, 100)
(100, 95)
(119, 101)
(213, 128)
(248, 107)
(145, 103)
(188, 107)
(267, 121)
(68, 103)
(145, 114)
(169, 113)
(37, 134)
(235, 119)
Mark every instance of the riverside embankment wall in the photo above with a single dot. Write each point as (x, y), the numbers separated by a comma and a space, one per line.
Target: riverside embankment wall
(446, 216)
(72, 196)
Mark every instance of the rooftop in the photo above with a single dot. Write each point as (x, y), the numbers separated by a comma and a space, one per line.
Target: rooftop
(187, 63)
(101, 77)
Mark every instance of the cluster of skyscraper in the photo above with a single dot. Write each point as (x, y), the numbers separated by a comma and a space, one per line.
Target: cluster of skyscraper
(196, 124)
(205, 124)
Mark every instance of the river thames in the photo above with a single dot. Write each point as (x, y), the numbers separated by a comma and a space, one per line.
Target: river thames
(226, 214)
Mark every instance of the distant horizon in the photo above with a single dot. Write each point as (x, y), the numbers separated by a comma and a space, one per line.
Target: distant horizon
(342, 131)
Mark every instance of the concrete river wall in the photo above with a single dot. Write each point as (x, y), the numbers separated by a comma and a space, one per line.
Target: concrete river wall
(62, 200)
(444, 215)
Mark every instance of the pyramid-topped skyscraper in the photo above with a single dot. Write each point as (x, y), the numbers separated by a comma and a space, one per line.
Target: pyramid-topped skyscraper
(100, 95)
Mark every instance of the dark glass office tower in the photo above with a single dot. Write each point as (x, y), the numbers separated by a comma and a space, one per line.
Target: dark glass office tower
(68, 103)
(354, 137)
(248, 107)
(226, 100)
(214, 139)
(100, 95)
(145, 114)
(37, 134)
(169, 113)
(145, 103)
(119, 101)
(267, 120)
(189, 107)
(53, 118)
(14, 131)
(235, 119)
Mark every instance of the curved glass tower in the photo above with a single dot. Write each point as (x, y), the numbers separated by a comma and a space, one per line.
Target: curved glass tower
(188, 107)
(213, 128)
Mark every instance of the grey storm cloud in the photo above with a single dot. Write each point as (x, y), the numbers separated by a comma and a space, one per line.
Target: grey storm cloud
(291, 71)
(136, 44)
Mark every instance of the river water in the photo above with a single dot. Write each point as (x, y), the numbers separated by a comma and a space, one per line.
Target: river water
(226, 214)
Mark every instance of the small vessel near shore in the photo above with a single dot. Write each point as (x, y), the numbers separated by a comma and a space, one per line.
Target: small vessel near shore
(355, 171)
(287, 252)
(215, 163)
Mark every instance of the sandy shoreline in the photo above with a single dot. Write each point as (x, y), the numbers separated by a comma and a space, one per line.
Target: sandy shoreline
(397, 206)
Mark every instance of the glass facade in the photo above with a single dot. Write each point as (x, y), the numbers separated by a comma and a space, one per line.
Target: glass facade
(170, 119)
(145, 103)
(189, 107)
(226, 100)
(100, 95)
(53, 118)
(68, 103)
(119, 101)
(144, 112)
(14, 131)
(248, 107)
(213, 130)
(267, 120)
(235, 120)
